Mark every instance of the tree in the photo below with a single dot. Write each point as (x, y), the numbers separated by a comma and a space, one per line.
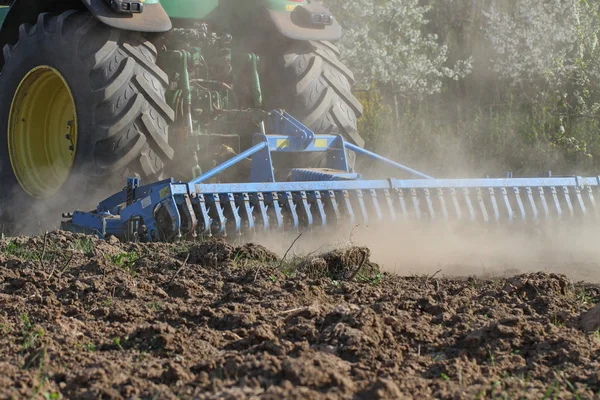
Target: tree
(384, 42)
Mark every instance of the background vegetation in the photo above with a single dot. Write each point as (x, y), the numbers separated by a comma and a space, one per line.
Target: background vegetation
(478, 87)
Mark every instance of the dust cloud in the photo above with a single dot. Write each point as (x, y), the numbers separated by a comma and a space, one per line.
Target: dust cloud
(22, 215)
(460, 251)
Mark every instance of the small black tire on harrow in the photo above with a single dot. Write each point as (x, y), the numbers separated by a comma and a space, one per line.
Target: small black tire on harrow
(120, 114)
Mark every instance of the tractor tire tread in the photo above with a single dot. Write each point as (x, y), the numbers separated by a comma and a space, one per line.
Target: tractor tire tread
(321, 94)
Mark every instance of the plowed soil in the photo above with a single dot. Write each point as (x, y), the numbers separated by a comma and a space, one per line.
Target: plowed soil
(81, 318)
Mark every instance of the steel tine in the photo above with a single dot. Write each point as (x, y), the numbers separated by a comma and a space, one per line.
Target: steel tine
(556, 201)
(455, 202)
(249, 212)
(590, 193)
(190, 217)
(469, 204)
(220, 216)
(429, 205)
(206, 219)
(376, 206)
(361, 205)
(292, 209)
(348, 205)
(509, 210)
(390, 204)
(402, 201)
(568, 200)
(484, 212)
(544, 202)
(534, 209)
(234, 211)
(331, 197)
(415, 199)
(260, 199)
(278, 209)
(492, 194)
(440, 193)
(580, 200)
(320, 208)
(303, 199)
(520, 205)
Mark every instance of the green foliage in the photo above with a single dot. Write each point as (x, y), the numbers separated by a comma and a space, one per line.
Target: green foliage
(529, 104)
(126, 261)
(14, 249)
(85, 245)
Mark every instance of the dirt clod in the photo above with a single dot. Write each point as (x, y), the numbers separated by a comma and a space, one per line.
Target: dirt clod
(341, 264)
(590, 320)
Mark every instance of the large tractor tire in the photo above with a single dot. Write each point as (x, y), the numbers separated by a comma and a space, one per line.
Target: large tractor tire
(82, 107)
(310, 82)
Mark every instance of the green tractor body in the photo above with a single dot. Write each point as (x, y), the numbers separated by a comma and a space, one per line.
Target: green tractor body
(94, 90)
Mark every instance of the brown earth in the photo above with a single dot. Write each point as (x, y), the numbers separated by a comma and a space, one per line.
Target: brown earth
(81, 318)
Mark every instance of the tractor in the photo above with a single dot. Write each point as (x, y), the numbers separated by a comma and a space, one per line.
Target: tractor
(93, 91)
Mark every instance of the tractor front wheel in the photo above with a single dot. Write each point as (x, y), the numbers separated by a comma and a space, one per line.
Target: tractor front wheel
(81, 108)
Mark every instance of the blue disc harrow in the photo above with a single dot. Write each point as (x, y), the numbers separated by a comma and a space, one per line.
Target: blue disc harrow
(322, 197)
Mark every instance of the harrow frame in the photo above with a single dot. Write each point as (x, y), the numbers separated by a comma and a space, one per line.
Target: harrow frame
(169, 210)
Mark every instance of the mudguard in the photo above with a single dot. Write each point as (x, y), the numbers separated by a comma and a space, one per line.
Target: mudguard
(153, 19)
(294, 21)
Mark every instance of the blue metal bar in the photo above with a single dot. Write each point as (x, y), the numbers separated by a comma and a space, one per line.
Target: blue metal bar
(376, 184)
(229, 163)
(367, 153)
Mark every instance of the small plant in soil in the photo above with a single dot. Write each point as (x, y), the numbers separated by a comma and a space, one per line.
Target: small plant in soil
(155, 306)
(126, 261)
(117, 343)
(13, 249)
(85, 245)
(91, 347)
(583, 298)
(556, 321)
(492, 359)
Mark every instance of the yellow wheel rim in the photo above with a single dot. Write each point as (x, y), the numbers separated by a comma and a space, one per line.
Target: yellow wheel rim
(42, 132)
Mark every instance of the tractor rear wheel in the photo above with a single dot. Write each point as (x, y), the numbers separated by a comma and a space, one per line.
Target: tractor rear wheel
(82, 107)
(310, 82)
